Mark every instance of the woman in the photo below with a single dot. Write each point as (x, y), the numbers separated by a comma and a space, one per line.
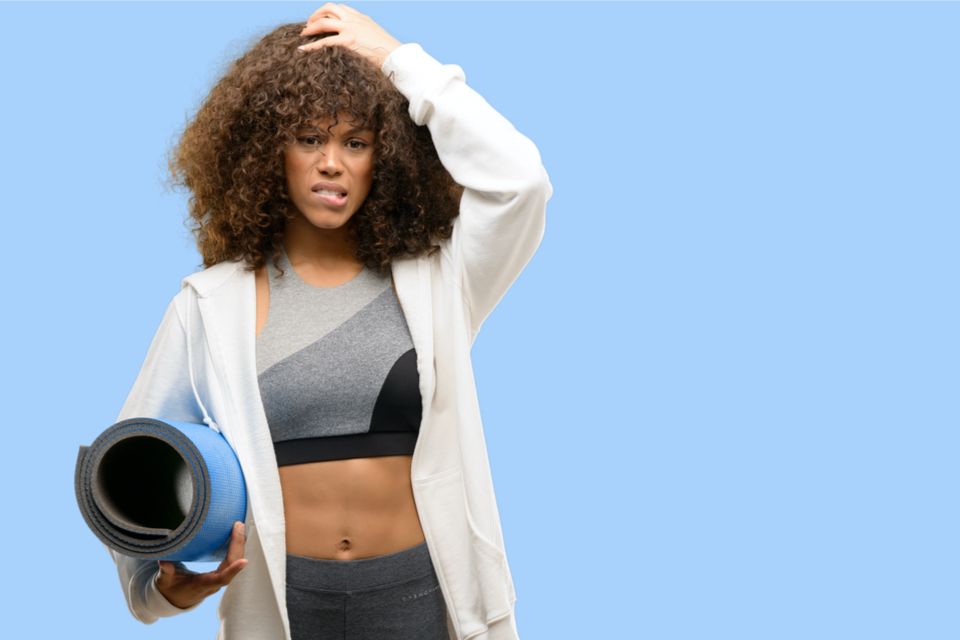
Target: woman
(360, 211)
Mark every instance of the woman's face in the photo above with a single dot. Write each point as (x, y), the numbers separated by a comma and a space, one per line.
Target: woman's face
(321, 166)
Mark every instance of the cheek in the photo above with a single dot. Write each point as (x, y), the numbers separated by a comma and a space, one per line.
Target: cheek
(293, 167)
(370, 172)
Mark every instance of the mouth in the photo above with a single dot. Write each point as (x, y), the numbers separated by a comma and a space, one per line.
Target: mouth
(330, 198)
(329, 189)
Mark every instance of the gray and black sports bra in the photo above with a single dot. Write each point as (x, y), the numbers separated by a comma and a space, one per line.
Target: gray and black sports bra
(337, 369)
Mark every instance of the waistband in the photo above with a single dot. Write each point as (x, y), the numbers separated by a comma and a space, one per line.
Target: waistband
(361, 573)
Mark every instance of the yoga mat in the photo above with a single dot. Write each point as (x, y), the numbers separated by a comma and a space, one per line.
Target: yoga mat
(161, 489)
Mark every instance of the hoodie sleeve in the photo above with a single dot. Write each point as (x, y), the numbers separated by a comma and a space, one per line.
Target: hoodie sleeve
(506, 188)
(162, 389)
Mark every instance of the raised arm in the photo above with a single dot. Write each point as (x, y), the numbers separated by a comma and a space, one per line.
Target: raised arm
(506, 188)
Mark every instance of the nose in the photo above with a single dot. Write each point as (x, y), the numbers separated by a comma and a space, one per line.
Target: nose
(330, 161)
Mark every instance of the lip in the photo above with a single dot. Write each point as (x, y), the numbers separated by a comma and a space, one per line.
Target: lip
(332, 186)
(333, 202)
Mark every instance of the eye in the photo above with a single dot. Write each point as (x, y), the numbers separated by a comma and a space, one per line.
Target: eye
(359, 142)
(309, 140)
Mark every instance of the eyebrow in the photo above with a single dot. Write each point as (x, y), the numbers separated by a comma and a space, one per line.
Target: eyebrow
(349, 133)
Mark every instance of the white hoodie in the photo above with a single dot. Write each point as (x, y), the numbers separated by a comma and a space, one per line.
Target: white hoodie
(201, 367)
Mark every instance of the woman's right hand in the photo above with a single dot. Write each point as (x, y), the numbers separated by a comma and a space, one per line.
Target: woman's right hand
(184, 588)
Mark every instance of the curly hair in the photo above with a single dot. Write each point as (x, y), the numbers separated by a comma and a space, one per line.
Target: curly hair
(230, 156)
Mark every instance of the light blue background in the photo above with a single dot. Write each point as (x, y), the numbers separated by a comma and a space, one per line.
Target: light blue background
(721, 401)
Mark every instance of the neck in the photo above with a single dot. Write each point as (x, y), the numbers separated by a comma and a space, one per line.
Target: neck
(326, 249)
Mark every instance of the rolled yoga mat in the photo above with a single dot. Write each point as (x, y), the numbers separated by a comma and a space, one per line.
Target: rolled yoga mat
(161, 489)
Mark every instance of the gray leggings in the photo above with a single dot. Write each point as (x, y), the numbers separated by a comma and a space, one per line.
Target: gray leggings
(395, 596)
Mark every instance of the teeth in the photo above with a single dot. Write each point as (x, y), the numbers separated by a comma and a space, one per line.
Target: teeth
(328, 192)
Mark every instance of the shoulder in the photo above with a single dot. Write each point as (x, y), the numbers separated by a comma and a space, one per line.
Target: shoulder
(208, 280)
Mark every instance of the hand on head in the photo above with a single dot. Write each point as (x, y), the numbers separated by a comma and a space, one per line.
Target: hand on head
(355, 31)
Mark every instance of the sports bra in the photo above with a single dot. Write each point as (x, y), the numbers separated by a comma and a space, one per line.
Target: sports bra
(337, 369)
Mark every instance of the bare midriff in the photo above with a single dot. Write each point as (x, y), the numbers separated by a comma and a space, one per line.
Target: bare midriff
(345, 509)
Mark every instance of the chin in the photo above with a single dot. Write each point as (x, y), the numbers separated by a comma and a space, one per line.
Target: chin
(328, 220)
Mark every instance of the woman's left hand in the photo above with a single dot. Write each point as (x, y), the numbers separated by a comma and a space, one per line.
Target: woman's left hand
(355, 31)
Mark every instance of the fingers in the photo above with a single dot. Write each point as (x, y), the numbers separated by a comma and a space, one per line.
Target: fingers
(345, 39)
(339, 11)
(234, 560)
(238, 539)
(212, 582)
(170, 568)
(231, 564)
(182, 586)
(330, 8)
(231, 572)
(322, 25)
(347, 27)
(348, 10)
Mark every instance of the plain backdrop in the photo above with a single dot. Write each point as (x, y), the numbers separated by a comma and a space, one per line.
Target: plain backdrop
(720, 402)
